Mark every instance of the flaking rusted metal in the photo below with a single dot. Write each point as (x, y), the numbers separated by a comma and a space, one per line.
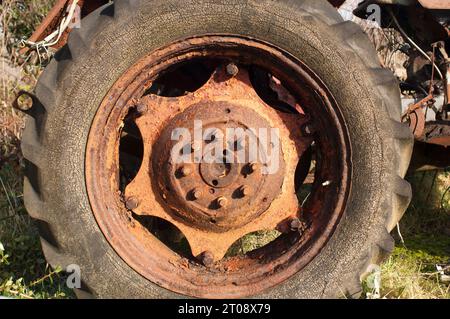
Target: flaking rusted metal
(220, 217)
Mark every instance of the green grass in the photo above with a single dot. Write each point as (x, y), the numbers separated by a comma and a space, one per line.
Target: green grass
(24, 272)
(412, 273)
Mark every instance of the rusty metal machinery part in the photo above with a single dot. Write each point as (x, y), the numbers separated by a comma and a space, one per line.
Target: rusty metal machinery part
(437, 132)
(227, 193)
(417, 123)
(206, 202)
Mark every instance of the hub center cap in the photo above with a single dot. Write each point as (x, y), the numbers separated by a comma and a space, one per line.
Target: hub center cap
(210, 166)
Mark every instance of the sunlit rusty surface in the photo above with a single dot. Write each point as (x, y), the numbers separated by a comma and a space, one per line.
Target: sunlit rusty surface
(216, 229)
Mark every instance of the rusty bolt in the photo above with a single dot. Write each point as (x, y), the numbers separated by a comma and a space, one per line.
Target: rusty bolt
(141, 108)
(197, 194)
(245, 190)
(207, 258)
(222, 202)
(186, 171)
(253, 167)
(232, 69)
(296, 225)
(131, 203)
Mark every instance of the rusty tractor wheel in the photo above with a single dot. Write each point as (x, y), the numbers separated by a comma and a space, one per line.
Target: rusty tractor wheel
(217, 149)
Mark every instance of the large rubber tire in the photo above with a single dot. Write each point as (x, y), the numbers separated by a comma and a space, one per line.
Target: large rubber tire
(115, 36)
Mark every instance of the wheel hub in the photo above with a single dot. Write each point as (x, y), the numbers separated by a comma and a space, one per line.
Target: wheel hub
(212, 185)
(216, 180)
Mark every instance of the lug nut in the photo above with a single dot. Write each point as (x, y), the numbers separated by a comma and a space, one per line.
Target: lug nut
(197, 194)
(253, 167)
(297, 225)
(245, 190)
(232, 69)
(131, 203)
(222, 202)
(207, 258)
(186, 171)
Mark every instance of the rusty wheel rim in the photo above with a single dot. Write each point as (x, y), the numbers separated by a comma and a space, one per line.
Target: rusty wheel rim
(178, 194)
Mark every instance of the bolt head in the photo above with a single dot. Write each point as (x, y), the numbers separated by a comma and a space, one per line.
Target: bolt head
(232, 69)
(245, 190)
(222, 202)
(197, 194)
(207, 258)
(186, 171)
(253, 167)
(295, 224)
(131, 203)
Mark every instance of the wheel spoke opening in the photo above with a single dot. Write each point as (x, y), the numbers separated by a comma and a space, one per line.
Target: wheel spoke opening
(131, 150)
(252, 242)
(167, 233)
(183, 78)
